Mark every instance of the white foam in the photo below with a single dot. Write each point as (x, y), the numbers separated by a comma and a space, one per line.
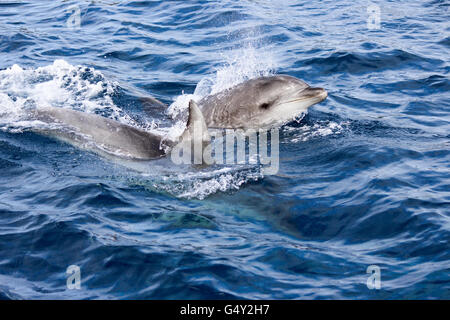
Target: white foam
(57, 85)
(199, 185)
(318, 129)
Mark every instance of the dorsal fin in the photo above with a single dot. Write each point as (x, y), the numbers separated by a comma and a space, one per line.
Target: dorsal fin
(194, 138)
(196, 128)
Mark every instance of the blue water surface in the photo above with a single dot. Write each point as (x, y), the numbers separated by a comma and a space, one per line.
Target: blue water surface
(364, 177)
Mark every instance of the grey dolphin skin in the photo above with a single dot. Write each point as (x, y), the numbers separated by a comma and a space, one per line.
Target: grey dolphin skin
(109, 137)
(260, 103)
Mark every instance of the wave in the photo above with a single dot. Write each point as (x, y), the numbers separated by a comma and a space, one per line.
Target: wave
(370, 62)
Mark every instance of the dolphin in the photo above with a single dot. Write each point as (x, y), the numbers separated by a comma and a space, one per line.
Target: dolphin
(112, 138)
(260, 103)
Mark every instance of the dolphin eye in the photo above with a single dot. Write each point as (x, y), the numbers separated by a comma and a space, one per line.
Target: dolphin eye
(264, 105)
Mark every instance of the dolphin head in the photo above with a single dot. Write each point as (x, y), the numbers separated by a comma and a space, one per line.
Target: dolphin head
(260, 102)
(279, 99)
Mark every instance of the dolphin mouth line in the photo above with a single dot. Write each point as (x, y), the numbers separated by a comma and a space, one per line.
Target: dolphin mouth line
(309, 98)
(299, 99)
(321, 96)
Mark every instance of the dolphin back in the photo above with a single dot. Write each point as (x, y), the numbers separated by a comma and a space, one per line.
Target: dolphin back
(100, 134)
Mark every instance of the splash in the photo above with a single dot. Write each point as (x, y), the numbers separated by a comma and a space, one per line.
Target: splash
(319, 129)
(240, 65)
(58, 85)
(199, 184)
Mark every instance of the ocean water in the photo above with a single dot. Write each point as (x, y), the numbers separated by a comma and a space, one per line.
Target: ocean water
(364, 177)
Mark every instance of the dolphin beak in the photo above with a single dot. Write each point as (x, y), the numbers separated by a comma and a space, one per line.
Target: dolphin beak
(310, 94)
(315, 93)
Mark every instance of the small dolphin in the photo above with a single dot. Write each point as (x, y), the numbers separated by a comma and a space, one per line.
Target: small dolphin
(260, 103)
(109, 137)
